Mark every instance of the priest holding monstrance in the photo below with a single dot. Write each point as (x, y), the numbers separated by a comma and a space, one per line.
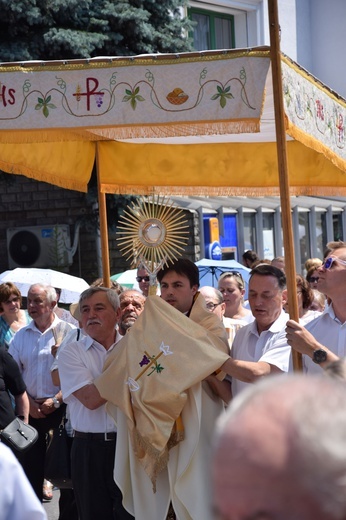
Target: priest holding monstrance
(155, 386)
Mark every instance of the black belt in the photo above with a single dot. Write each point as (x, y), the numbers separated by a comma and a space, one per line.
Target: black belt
(107, 436)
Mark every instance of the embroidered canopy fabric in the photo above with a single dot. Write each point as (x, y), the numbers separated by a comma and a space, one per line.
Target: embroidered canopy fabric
(193, 123)
(147, 376)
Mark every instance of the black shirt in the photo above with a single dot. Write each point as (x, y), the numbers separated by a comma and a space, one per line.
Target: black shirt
(10, 381)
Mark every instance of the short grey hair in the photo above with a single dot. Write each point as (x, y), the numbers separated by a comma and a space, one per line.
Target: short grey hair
(111, 295)
(51, 295)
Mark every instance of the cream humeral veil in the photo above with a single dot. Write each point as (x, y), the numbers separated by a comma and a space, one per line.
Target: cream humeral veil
(163, 355)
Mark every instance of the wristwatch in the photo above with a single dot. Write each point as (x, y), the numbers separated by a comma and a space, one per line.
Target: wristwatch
(319, 356)
(56, 402)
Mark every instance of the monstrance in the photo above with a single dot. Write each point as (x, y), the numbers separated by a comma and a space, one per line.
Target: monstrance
(154, 231)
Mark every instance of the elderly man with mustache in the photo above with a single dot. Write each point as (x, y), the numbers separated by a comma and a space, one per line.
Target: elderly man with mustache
(93, 449)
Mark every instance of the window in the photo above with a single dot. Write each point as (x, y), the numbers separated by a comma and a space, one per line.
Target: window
(250, 241)
(212, 30)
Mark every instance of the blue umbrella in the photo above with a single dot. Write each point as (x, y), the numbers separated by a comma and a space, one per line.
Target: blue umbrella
(211, 270)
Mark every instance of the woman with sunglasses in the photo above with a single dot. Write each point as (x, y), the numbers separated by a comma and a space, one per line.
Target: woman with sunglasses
(312, 277)
(143, 280)
(12, 316)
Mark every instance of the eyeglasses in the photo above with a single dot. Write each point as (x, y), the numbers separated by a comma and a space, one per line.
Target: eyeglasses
(212, 306)
(327, 264)
(142, 278)
(313, 279)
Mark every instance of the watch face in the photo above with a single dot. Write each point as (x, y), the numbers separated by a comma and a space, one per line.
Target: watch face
(319, 356)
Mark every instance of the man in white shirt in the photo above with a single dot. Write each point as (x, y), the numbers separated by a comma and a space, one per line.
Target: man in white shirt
(260, 348)
(31, 348)
(93, 448)
(324, 339)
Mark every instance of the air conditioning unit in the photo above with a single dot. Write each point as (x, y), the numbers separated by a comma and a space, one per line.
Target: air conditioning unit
(39, 246)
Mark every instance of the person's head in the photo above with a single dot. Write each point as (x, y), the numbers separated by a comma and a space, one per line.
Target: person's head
(280, 451)
(312, 263)
(232, 287)
(250, 258)
(10, 298)
(179, 283)
(143, 279)
(131, 306)
(267, 294)
(312, 276)
(304, 293)
(279, 262)
(214, 300)
(41, 301)
(332, 273)
(319, 301)
(115, 286)
(100, 312)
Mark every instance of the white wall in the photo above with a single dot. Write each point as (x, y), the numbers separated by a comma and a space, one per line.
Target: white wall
(313, 33)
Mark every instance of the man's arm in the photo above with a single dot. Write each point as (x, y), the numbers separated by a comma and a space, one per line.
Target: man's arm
(248, 371)
(89, 396)
(299, 338)
(76, 378)
(222, 389)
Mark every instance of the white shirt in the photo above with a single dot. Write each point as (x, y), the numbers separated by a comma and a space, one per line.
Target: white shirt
(329, 331)
(31, 348)
(79, 363)
(269, 346)
(17, 498)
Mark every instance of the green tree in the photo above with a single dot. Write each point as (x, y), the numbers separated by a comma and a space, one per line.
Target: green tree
(74, 29)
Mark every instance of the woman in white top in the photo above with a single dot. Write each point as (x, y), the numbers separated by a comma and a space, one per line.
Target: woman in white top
(232, 287)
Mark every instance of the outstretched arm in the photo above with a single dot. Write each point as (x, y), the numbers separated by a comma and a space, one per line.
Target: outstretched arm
(248, 371)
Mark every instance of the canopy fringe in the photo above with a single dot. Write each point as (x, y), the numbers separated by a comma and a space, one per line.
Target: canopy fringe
(229, 191)
(49, 178)
(311, 142)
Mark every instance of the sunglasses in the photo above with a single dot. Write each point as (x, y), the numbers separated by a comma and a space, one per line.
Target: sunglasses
(313, 279)
(327, 264)
(233, 273)
(142, 278)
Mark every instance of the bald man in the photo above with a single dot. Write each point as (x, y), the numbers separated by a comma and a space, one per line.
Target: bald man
(280, 451)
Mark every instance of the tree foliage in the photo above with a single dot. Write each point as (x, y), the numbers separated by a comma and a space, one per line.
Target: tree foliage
(75, 29)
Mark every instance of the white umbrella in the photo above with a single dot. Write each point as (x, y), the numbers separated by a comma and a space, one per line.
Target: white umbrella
(71, 286)
(126, 279)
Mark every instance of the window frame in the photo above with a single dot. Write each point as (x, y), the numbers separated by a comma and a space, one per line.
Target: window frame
(212, 15)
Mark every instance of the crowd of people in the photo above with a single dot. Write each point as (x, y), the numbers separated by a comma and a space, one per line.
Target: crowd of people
(142, 381)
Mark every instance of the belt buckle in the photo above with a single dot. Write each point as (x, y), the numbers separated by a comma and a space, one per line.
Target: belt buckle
(106, 436)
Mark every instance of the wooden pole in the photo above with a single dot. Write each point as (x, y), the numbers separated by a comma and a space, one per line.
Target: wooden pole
(286, 215)
(103, 227)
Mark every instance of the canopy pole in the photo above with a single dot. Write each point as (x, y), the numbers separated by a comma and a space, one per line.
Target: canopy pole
(286, 216)
(103, 226)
